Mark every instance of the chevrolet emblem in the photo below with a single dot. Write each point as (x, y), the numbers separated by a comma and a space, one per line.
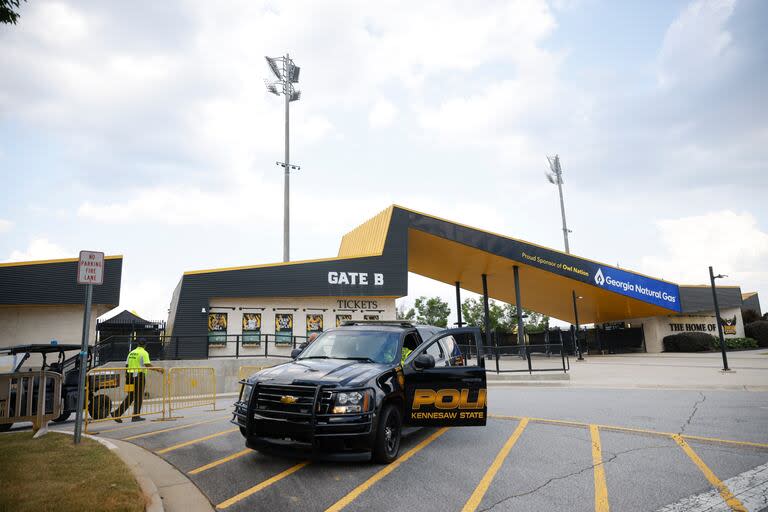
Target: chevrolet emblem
(288, 399)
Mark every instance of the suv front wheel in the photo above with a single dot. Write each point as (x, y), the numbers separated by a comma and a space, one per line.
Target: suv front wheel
(388, 434)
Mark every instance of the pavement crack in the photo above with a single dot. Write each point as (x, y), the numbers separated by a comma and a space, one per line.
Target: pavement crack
(613, 457)
(701, 400)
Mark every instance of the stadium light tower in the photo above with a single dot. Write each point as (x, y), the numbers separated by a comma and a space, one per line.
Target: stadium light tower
(556, 177)
(287, 74)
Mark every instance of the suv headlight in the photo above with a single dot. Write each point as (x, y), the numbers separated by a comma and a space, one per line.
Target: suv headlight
(351, 402)
(245, 392)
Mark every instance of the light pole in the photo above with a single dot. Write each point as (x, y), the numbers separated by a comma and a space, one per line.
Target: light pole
(712, 278)
(556, 177)
(287, 74)
(576, 332)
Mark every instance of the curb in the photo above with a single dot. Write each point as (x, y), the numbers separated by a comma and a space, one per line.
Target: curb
(147, 486)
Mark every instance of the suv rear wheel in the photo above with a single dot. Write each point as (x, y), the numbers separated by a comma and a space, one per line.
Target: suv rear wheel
(388, 435)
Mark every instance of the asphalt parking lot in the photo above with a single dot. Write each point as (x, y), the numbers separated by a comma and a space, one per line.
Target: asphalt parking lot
(543, 449)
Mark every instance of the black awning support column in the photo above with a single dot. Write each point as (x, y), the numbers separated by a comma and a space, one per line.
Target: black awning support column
(459, 323)
(576, 332)
(519, 308)
(487, 313)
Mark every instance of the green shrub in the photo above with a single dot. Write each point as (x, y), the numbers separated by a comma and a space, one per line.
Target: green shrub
(758, 331)
(689, 342)
(736, 343)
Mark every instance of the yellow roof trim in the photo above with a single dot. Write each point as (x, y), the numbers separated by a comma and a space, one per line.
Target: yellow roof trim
(266, 265)
(531, 243)
(369, 237)
(46, 262)
(746, 295)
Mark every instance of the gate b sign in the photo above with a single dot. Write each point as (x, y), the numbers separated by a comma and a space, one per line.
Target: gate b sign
(90, 268)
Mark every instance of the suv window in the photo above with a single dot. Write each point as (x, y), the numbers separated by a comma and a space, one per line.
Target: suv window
(454, 352)
(435, 350)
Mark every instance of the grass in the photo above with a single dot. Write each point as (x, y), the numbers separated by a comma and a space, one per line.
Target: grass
(51, 473)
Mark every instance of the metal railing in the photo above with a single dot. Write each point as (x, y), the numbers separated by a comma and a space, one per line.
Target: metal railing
(246, 371)
(254, 345)
(30, 396)
(545, 357)
(116, 348)
(193, 386)
(531, 358)
(122, 393)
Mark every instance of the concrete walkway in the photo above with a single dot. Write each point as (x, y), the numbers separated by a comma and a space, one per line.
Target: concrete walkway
(667, 370)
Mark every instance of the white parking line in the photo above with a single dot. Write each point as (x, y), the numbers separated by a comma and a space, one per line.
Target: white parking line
(750, 487)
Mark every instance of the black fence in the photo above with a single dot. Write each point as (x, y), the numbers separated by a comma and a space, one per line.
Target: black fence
(504, 355)
(116, 348)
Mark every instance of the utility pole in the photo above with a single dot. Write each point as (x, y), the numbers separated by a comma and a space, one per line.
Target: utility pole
(287, 75)
(556, 177)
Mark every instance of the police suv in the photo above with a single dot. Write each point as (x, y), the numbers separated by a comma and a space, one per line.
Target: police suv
(349, 394)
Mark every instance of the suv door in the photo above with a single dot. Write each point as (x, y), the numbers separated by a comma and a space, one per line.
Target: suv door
(444, 396)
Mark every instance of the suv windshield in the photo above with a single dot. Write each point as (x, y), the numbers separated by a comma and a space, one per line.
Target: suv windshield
(372, 346)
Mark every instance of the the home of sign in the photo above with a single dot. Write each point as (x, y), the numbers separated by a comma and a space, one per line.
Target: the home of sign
(710, 326)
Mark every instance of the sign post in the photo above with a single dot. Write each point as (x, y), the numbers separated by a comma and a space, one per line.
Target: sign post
(90, 272)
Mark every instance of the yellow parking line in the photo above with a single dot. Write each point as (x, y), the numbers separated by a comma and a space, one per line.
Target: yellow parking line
(195, 441)
(726, 493)
(477, 496)
(632, 430)
(360, 489)
(601, 489)
(726, 441)
(171, 429)
(220, 461)
(262, 485)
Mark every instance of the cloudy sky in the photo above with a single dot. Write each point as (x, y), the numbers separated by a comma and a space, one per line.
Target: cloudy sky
(144, 129)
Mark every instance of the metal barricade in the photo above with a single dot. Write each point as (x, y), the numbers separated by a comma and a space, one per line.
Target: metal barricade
(247, 371)
(120, 393)
(190, 387)
(30, 396)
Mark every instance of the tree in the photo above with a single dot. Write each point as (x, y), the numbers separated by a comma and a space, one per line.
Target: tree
(432, 311)
(402, 314)
(472, 314)
(8, 11)
(503, 317)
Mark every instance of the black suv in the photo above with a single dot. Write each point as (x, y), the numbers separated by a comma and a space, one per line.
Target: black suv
(349, 393)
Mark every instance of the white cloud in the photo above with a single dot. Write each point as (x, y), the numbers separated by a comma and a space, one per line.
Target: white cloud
(150, 298)
(5, 225)
(696, 45)
(40, 249)
(382, 114)
(731, 242)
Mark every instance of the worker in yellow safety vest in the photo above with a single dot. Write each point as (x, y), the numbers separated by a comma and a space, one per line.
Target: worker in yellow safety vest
(406, 353)
(135, 381)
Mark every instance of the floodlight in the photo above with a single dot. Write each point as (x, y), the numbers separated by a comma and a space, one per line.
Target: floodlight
(293, 75)
(295, 95)
(271, 88)
(273, 66)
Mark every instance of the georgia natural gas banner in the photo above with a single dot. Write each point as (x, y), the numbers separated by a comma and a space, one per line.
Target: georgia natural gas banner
(646, 289)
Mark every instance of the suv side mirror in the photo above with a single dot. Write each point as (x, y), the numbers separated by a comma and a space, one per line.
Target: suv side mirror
(423, 362)
(295, 353)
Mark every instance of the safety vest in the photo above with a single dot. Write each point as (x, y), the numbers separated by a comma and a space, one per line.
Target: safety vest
(138, 358)
(406, 353)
